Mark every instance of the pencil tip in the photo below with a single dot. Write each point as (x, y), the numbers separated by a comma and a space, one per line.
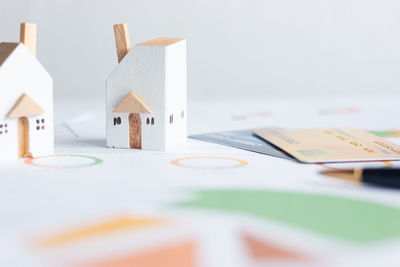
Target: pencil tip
(342, 174)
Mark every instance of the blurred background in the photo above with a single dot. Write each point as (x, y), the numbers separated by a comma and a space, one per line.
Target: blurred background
(236, 48)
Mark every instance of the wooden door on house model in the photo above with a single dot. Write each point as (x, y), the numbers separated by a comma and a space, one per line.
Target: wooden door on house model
(23, 137)
(135, 131)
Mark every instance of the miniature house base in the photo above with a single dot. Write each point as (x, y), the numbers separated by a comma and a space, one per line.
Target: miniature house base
(146, 97)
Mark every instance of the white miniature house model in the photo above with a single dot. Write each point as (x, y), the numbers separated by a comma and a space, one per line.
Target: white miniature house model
(146, 93)
(26, 102)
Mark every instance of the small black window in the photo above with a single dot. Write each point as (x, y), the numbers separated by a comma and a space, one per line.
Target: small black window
(38, 121)
(147, 121)
(171, 119)
(3, 128)
(43, 127)
(115, 121)
(152, 121)
(119, 120)
(182, 114)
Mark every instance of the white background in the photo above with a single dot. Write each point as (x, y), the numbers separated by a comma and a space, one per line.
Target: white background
(235, 47)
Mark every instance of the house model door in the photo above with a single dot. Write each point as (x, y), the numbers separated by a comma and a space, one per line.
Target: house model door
(23, 137)
(135, 131)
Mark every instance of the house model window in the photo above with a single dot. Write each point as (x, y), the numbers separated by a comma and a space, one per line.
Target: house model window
(117, 120)
(3, 128)
(171, 118)
(148, 121)
(40, 124)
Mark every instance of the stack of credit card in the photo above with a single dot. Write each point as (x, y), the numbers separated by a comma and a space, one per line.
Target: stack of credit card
(320, 145)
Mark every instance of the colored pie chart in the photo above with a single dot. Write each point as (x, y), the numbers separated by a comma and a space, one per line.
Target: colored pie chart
(349, 219)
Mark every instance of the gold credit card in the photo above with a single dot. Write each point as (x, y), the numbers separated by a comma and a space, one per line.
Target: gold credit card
(331, 145)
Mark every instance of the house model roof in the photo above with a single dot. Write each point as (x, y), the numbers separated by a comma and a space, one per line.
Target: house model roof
(6, 49)
(132, 103)
(162, 41)
(25, 107)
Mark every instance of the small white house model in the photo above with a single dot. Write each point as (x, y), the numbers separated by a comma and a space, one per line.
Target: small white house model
(146, 94)
(26, 102)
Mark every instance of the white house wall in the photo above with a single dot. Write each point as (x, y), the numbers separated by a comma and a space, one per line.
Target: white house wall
(9, 141)
(149, 132)
(148, 63)
(118, 135)
(175, 92)
(41, 141)
(22, 73)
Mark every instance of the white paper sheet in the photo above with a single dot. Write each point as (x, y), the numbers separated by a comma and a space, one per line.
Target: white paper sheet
(86, 184)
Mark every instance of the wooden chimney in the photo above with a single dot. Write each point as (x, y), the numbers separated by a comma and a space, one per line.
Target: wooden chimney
(28, 36)
(122, 41)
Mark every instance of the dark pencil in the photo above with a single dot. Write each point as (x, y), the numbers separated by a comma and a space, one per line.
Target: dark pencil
(386, 177)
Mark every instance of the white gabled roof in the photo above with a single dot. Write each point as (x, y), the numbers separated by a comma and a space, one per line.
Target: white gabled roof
(162, 42)
(21, 72)
(7, 50)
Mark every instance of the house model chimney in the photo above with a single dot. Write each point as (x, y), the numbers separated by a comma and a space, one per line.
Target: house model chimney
(28, 36)
(122, 41)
